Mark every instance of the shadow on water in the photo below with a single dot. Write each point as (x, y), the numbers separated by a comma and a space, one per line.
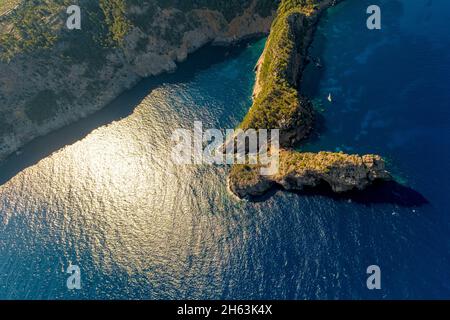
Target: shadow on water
(387, 192)
(118, 109)
(319, 128)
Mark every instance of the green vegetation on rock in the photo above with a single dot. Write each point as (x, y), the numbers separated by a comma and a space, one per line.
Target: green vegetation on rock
(51, 75)
(7, 5)
(279, 101)
(278, 105)
(42, 107)
(229, 8)
(29, 28)
(116, 19)
(38, 24)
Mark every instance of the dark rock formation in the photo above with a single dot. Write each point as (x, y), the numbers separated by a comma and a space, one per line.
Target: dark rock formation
(300, 170)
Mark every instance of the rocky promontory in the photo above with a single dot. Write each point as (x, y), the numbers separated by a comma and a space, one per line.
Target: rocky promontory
(300, 170)
(278, 104)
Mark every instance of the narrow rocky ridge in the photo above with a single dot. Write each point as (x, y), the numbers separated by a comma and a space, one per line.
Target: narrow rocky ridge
(279, 105)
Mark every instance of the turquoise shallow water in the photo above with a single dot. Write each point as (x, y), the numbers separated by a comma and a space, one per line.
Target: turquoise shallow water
(111, 201)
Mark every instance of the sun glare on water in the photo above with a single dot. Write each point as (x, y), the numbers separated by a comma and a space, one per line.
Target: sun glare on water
(113, 193)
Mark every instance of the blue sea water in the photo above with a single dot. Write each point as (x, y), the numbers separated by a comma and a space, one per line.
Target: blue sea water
(105, 195)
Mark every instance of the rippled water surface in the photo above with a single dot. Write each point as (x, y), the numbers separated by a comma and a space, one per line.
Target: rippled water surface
(113, 202)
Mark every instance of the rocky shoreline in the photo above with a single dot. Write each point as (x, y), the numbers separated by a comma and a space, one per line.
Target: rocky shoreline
(72, 90)
(297, 170)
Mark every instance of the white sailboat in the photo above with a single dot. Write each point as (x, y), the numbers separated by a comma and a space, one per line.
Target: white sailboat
(330, 98)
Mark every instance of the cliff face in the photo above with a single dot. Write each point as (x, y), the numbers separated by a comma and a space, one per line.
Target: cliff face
(300, 123)
(277, 102)
(300, 170)
(53, 77)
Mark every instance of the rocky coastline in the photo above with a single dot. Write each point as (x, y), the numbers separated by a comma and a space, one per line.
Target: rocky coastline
(297, 170)
(44, 90)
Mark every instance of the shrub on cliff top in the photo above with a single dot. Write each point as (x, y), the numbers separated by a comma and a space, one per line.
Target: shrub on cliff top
(38, 24)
